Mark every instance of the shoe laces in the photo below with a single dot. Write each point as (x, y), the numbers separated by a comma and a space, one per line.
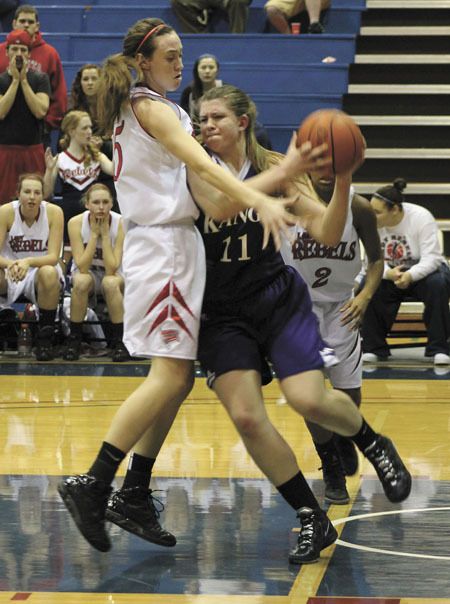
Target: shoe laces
(381, 457)
(307, 530)
(156, 506)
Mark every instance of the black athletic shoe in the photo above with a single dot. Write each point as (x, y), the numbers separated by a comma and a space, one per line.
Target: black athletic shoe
(316, 533)
(120, 354)
(347, 454)
(44, 348)
(86, 498)
(134, 510)
(394, 476)
(334, 478)
(73, 349)
(316, 28)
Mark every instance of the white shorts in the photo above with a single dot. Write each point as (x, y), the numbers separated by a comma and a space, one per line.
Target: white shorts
(27, 287)
(165, 271)
(346, 344)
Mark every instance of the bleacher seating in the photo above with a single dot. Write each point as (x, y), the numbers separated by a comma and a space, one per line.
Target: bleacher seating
(105, 17)
(284, 74)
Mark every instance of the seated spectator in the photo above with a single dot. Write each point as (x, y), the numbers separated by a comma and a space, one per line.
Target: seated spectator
(414, 269)
(195, 15)
(78, 166)
(96, 239)
(31, 232)
(43, 58)
(7, 9)
(281, 12)
(204, 73)
(24, 102)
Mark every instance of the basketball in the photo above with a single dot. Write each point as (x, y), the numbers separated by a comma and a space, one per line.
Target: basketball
(346, 144)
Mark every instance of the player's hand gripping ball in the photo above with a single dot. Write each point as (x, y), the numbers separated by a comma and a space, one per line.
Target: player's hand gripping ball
(346, 144)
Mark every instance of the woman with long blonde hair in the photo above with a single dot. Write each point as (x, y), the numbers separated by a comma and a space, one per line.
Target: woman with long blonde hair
(78, 166)
(163, 264)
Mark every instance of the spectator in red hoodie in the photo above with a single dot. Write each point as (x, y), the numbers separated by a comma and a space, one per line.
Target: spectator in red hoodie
(43, 59)
(24, 102)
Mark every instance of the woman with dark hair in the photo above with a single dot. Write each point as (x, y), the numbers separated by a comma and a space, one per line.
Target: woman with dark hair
(83, 94)
(204, 77)
(83, 97)
(414, 269)
(163, 265)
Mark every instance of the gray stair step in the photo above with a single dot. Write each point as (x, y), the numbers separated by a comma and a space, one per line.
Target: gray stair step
(414, 30)
(402, 58)
(407, 4)
(399, 88)
(406, 153)
(414, 188)
(402, 120)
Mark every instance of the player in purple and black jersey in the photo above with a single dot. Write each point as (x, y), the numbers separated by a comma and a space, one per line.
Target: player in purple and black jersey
(257, 310)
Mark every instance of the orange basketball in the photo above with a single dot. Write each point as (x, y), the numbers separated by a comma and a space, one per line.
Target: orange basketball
(346, 144)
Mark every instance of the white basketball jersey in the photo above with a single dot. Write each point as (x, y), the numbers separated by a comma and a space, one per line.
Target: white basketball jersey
(23, 241)
(328, 271)
(73, 172)
(150, 182)
(97, 261)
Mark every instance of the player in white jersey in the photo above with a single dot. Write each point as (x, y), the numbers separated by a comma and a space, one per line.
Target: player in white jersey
(31, 233)
(330, 273)
(96, 240)
(78, 166)
(164, 268)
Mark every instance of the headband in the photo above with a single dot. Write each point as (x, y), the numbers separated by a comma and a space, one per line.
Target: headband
(148, 34)
(387, 200)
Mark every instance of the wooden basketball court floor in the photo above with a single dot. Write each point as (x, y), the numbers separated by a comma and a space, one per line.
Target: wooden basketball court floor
(234, 531)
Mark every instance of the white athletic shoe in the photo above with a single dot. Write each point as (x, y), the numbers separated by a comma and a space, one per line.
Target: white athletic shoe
(369, 357)
(441, 359)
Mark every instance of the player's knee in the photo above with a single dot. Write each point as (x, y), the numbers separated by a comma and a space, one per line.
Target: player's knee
(110, 286)
(309, 406)
(272, 11)
(81, 284)
(47, 276)
(182, 382)
(246, 423)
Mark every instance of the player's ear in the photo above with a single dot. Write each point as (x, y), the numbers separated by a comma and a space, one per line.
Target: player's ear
(243, 122)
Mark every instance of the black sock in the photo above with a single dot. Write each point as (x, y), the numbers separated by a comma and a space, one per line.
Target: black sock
(47, 317)
(108, 460)
(327, 448)
(297, 493)
(365, 437)
(76, 329)
(117, 332)
(139, 472)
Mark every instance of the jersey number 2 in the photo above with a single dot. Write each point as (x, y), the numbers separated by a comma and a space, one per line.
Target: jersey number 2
(321, 275)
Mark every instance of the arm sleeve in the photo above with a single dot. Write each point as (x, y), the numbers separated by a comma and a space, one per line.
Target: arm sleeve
(58, 96)
(430, 254)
